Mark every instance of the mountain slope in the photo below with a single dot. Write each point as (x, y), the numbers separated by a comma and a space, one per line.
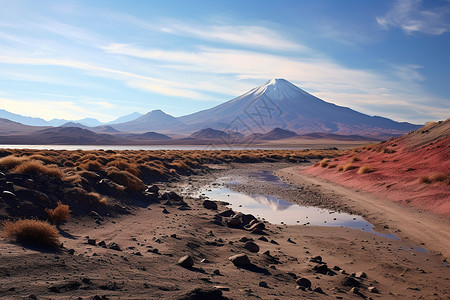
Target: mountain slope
(8, 127)
(413, 169)
(156, 120)
(279, 103)
(126, 118)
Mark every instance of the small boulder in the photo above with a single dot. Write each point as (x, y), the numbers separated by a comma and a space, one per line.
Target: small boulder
(318, 290)
(263, 284)
(114, 246)
(204, 293)
(240, 260)
(186, 261)
(316, 259)
(91, 242)
(208, 204)
(373, 289)
(251, 246)
(360, 275)
(304, 282)
(233, 222)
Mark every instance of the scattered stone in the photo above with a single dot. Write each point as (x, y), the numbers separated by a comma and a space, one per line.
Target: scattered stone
(257, 228)
(291, 241)
(32, 296)
(114, 246)
(360, 275)
(227, 213)
(304, 282)
(263, 284)
(240, 260)
(165, 211)
(86, 280)
(222, 288)
(263, 238)
(153, 189)
(71, 251)
(204, 293)
(350, 281)
(94, 215)
(373, 289)
(318, 290)
(102, 244)
(91, 242)
(251, 246)
(316, 259)
(274, 242)
(245, 239)
(233, 222)
(173, 235)
(216, 272)
(208, 204)
(186, 261)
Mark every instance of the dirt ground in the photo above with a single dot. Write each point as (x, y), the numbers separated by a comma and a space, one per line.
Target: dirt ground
(151, 240)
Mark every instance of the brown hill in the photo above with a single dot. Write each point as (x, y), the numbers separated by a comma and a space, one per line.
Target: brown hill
(413, 169)
(8, 127)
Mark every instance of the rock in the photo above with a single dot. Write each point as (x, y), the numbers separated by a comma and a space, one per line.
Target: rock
(240, 260)
(291, 241)
(316, 259)
(172, 196)
(203, 294)
(8, 196)
(233, 222)
(114, 246)
(208, 204)
(102, 244)
(321, 268)
(263, 238)
(251, 246)
(360, 275)
(318, 290)
(257, 228)
(216, 272)
(305, 282)
(354, 290)
(373, 289)
(350, 281)
(263, 284)
(32, 296)
(245, 239)
(274, 242)
(71, 251)
(165, 211)
(94, 215)
(222, 288)
(152, 189)
(186, 261)
(91, 242)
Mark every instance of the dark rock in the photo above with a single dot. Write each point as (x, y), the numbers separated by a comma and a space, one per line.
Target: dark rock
(263, 238)
(71, 251)
(91, 242)
(186, 261)
(94, 215)
(172, 196)
(203, 294)
(86, 280)
(152, 189)
(102, 244)
(360, 275)
(233, 222)
(316, 259)
(227, 213)
(32, 296)
(350, 281)
(251, 246)
(291, 241)
(305, 282)
(208, 204)
(216, 272)
(8, 196)
(240, 260)
(165, 211)
(318, 290)
(321, 268)
(263, 284)
(373, 289)
(274, 242)
(245, 239)
(114, 246)
(257, 228)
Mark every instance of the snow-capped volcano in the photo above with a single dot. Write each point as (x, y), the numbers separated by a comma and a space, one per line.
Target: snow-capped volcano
(279, 103)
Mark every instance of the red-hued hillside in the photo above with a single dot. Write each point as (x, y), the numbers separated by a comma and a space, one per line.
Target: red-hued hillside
(413, 169)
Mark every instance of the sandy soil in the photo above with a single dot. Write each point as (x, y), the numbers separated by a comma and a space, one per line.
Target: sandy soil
(138, 271)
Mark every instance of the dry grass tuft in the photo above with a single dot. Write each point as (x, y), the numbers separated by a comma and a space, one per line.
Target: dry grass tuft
(33, 232)
(59, 214)
(346, 167)
(366, 169)
(354, 159)
(435, 177)
(324, 162)
(37, 167)
(331, 166)
(11, 161)
(126, 179)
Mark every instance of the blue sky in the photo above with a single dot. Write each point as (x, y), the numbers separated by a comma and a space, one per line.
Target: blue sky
(105, 59)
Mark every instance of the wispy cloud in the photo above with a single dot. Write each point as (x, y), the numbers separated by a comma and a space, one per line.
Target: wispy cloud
(252, 36)
(408, 72)
(411, 17)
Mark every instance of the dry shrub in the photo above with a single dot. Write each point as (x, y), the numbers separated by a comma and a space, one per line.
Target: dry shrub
(88, 174)
(32, 232)
(324, 162)
(366, 169)
(124, 165)
(75, 178)
(68, 164)
(45, 159)
(178, 164)
(354, 159)
(436, 177)
(59, 214)
(37, 167)
(346, 167)
(331, 166)
(99, 198)
(126, 179)
(92, 165)
(11, 161)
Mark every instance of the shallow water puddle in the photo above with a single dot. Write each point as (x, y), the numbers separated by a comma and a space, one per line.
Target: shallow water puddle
(279, 211)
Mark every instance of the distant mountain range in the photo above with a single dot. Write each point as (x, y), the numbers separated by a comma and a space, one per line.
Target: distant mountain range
(275, 110)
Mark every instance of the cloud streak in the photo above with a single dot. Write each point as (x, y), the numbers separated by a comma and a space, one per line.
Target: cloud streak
(409, 16)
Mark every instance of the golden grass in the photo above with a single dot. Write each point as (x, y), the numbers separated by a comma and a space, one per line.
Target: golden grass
(37, 167)
(366, 169)
(346, 167)
(331, 166)
(324, 162)
(126, 179)
(32, 232)
(439, 177)
(59, 214)
(11, 161)
(354, 159)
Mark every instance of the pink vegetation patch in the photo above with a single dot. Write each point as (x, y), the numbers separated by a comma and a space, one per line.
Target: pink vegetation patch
(402, 170)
